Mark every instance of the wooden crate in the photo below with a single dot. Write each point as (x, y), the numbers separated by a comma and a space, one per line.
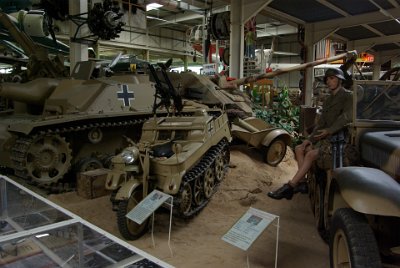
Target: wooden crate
(91, 184)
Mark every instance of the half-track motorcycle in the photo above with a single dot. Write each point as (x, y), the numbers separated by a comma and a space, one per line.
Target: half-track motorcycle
(356, 204)
(184, 156)
(272, 141)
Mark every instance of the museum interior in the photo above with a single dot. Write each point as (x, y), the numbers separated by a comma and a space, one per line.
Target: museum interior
(200, 133)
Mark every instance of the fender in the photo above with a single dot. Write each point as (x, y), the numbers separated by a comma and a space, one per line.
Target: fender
(369, 190)
(281, 133)
(127, 188)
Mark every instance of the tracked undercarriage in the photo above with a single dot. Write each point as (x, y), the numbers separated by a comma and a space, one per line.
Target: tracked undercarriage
(51, 153)
(185, 157)
(200, 182)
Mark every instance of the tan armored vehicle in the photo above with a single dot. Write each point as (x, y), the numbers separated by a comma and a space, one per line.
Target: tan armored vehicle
(357, 207)
(52, 123)
(59, 123)
(256, 133)
(185, 157)
(253, 131)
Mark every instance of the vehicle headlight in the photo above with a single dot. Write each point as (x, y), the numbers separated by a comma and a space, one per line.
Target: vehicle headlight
(130, 155)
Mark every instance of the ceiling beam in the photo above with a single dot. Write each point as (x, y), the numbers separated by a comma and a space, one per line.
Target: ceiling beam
(377, 40)
(366, 18)
(252, 8)
(394, 3)
(184, 16)
(333, 7)
(280, 16)
(372, 29)
(276, 30)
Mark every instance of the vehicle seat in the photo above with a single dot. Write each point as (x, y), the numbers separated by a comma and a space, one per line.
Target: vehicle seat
(340, 152)
(163, 150)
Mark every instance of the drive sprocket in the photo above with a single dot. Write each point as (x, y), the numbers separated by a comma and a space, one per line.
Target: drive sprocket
(47, 159)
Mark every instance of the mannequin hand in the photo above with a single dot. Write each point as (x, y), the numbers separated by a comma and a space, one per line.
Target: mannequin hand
(323, 133)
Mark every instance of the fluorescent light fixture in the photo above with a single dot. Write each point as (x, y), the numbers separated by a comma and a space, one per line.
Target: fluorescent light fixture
(152, 18)
(153, 6)
(41, 235)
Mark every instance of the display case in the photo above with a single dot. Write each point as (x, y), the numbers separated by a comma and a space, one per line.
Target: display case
(35, 232)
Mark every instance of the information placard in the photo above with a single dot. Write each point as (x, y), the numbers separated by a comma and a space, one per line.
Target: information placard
(248, 228)
(147, 206)
(209, 69)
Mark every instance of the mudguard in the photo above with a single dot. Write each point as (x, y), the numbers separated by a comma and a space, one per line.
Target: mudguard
(127, 188)
(369, 190)
(274, 134)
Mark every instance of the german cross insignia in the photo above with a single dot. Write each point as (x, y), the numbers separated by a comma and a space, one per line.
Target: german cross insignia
(125, 95)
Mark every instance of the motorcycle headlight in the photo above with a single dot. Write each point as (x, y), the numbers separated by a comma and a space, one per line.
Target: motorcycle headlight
(130, 155)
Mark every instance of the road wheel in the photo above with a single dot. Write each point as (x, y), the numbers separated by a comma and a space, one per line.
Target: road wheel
(209, 182)
(198, 191)
(275, 152)
(130, 230)
(87, 164)
(352, 242)
(219, 168)
(186, 198)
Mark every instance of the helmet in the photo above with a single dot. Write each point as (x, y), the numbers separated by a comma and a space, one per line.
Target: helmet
(334, 72)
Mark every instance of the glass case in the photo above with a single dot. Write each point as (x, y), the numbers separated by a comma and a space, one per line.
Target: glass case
(35, 232)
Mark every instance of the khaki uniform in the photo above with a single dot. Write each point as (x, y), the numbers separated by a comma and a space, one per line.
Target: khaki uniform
(337, 112)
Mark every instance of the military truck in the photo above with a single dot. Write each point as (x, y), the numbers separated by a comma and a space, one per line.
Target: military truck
(184, 156)
(357, 205)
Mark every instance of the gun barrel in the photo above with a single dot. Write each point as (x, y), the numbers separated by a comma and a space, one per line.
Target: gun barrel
(255, 78)
(33, 92)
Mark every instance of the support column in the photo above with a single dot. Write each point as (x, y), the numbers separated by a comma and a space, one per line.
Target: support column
(146, 55)
(309, 72)
(204, 32)
(376, 67)
(96, 48)
(77, 51)
(236, 48)
(185, 63)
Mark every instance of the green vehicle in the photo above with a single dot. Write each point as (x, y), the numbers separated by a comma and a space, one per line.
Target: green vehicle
(357, 207)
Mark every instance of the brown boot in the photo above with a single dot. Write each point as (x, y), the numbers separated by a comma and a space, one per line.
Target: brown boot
(286, 191)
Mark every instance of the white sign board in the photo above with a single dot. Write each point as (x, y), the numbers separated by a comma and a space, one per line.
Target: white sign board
(248, 228)
(209, 69)
(147, 206)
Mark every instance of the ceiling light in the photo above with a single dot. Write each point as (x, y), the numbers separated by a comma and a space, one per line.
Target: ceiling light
(155, 18)
(153, 6)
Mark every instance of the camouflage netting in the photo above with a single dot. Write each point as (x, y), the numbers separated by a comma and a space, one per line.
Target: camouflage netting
(282, 114)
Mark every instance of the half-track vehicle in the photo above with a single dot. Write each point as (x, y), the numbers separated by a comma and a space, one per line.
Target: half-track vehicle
(271, 141)
(239, 108)
(356, 204)
(184, 156)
